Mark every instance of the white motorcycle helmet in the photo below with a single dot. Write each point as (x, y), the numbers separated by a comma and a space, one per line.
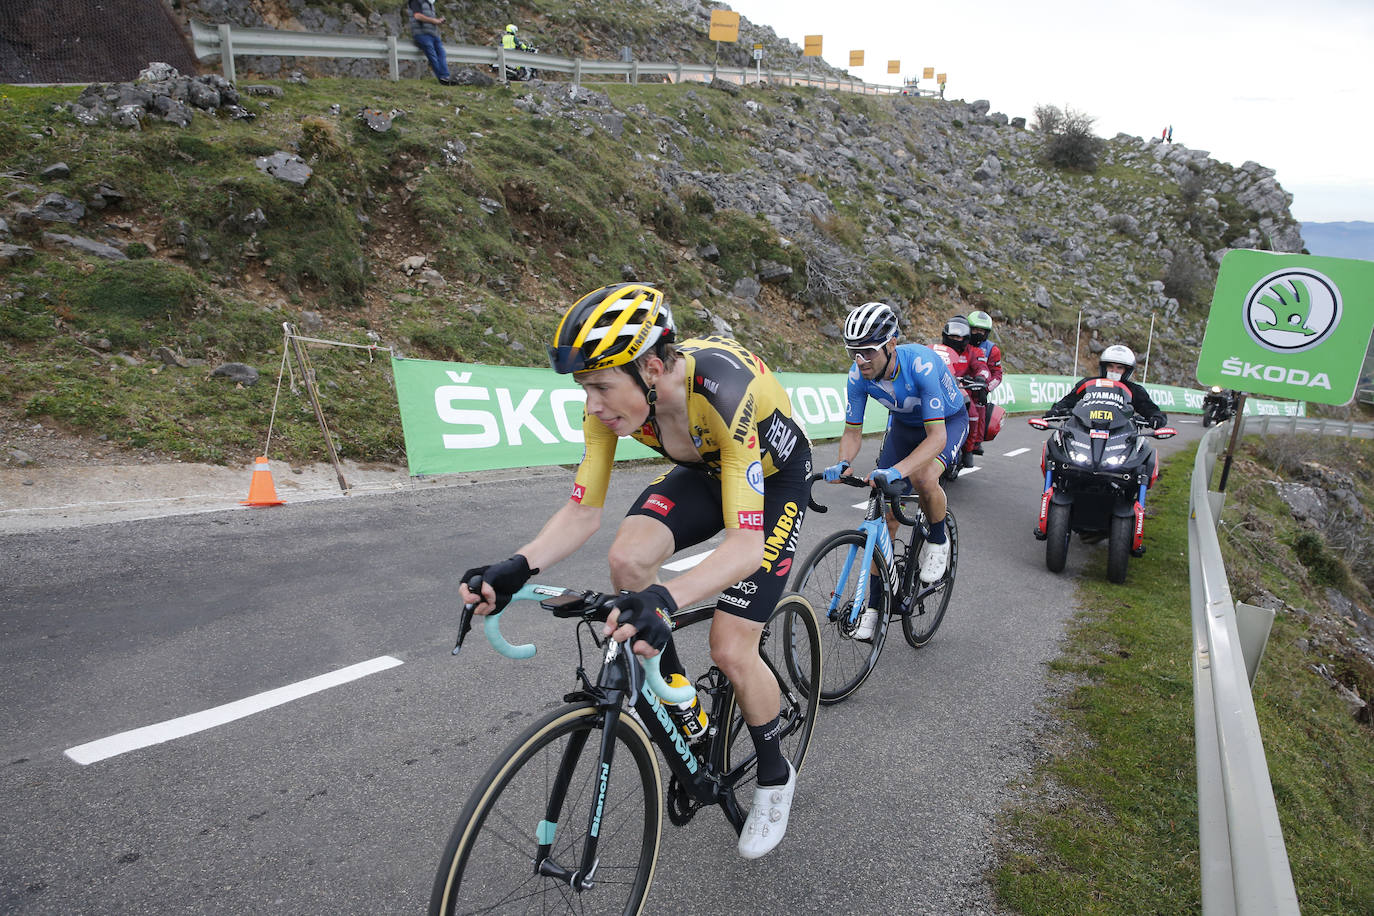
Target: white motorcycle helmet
(1118, 355)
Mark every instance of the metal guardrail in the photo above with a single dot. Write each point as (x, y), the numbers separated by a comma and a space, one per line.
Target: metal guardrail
(1244, 862)
(227, 42)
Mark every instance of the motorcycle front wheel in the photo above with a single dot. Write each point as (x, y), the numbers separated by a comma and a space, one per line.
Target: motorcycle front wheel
(1119, 548)
(1057, 536)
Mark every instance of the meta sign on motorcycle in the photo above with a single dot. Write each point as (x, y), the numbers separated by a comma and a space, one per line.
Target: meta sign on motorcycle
(1289, 326)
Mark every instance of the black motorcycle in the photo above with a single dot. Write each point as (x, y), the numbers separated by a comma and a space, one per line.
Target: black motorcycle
(521, 73)
(1218, 406)
(1097, 468)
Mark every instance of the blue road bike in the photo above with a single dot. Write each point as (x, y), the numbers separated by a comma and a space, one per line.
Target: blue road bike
(837, 579)
(568, 819)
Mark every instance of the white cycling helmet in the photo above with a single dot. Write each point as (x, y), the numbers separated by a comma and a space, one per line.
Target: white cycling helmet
(1120, 355)
(870, 325)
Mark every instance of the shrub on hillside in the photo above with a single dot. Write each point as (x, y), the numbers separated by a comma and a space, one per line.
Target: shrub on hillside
(1069, 139)
(1186, 278)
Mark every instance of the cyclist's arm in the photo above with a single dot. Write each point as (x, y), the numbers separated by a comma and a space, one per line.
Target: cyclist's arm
(565, 531)
(850, 442)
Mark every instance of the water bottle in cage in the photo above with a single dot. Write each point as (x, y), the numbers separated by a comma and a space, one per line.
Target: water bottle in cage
(690, 717)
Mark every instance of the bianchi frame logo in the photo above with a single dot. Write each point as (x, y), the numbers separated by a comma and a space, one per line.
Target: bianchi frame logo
(1292, 310)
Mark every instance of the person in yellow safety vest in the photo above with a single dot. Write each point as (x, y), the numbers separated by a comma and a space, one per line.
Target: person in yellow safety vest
(508, 40)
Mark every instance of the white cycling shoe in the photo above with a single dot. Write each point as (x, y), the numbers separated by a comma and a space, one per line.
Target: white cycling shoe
(767, 821)
(868, 622)
(934, 560)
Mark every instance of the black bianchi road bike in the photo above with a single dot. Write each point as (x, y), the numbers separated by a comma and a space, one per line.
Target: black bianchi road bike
(837, 580)
(568, 818)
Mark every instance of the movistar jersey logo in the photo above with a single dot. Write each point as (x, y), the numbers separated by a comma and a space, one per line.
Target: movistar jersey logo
(1292, 310)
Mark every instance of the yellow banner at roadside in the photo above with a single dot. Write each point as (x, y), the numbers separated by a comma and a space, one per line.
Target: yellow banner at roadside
(894, 66)
(811, 46)
(928, 73)
(724, 25)
(856, 58)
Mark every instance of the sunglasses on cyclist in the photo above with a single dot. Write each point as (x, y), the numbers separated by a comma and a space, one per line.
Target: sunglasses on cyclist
(864, 354)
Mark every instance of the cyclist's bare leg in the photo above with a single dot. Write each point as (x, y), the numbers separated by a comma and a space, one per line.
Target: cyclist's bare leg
(641, 547)
(735, 650)
(926, 481)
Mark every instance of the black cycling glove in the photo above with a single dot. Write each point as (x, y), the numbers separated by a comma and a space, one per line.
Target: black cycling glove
(505, 577)
(650, 613)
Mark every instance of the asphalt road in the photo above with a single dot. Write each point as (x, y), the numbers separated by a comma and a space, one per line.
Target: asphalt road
(340, 801)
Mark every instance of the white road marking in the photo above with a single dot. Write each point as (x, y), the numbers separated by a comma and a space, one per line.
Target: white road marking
(1014, 452)
(686, 562)
(976, 467)
(149, 735)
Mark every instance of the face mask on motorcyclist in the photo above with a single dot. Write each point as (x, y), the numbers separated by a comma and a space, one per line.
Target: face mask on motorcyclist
(1114, 373)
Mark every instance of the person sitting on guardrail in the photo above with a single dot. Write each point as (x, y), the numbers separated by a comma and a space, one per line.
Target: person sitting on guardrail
(424, 30)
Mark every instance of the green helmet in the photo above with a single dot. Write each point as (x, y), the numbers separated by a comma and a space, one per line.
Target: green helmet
(977, 320)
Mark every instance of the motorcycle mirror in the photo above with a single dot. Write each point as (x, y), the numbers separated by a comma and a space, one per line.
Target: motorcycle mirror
(1165, 432)
(1038, 423)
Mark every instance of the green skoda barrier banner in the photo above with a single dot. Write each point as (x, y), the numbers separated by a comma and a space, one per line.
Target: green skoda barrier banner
(1290, 326)
(460, 417)
(1035, 393)
(464, 417)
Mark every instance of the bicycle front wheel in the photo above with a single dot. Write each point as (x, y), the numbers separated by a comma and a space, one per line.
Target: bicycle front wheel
(848, 661)
(791, 647)
(929, 603)
(535, 807)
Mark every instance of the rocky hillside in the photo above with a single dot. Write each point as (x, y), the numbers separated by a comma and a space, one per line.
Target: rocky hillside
(152, 233)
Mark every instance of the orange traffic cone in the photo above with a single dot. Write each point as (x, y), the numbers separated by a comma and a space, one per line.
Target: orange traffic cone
(260, 491)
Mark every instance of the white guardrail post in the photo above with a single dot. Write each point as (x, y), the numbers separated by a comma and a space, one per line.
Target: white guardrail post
(225, 42)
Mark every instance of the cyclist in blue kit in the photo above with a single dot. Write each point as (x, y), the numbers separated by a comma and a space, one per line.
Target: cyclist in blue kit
(926, 427)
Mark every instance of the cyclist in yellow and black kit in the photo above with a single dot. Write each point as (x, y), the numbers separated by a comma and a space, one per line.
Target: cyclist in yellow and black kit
(721, 416)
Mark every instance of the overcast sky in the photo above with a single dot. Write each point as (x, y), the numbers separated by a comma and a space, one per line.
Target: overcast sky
(1287, 84)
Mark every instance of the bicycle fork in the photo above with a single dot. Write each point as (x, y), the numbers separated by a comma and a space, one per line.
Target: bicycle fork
(607, 695)
(876, 539)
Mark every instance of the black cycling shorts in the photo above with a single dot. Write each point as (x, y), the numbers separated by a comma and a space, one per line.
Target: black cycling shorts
(694, 514)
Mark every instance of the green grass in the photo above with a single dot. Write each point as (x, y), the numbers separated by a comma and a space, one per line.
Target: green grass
(1109, 823)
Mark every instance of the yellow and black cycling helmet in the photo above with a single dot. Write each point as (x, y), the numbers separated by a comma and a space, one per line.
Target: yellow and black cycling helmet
(609, 327)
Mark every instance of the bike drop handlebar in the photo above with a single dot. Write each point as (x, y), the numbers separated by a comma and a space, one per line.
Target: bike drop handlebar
(588, 601)
(892, 494)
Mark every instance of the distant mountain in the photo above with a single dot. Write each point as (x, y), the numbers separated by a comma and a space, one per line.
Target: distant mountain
(1340, 240)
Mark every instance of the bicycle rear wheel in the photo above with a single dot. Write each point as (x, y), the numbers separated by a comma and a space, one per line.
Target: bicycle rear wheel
(848, 661)
(536, 802)
(791, 647)
(928, 610)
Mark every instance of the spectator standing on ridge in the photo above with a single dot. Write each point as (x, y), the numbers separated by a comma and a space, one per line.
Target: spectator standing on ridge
(424, 30)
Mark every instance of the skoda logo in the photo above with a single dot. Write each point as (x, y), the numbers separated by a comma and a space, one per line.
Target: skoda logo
(1292, 310)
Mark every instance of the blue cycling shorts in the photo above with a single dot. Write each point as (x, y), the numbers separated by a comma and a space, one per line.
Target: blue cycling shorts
(901, 440)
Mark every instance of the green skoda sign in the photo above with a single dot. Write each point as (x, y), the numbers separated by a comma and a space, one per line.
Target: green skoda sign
(1290, 326)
